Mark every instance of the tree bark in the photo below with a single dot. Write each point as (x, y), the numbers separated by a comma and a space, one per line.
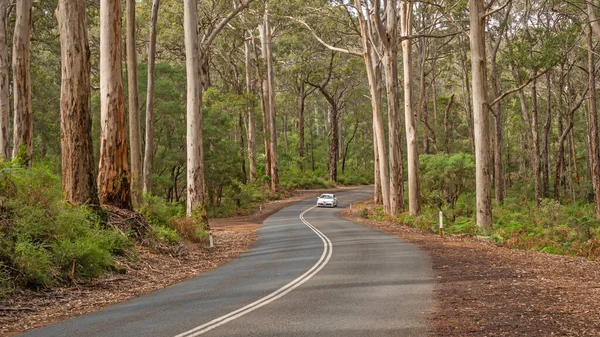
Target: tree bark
(113, 172)
(77, 149)
(388, 34)
(135, 137)
(23, 119)
(446, 125)
(480, 113)
(545, 139)
(149, 143)
(414, 194)
(535, 151)
(4, 84)
(593, 124)
(271, 99)
(195, 154)
(250, 123)
(301, 124)
(264, 94)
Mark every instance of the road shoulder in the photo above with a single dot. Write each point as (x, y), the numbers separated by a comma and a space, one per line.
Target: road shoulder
(486, 290)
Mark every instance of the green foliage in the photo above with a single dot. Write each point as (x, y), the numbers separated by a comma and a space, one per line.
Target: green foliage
(33, 262)
(445, 177)
(158, 211)
(43, 239)
(294, 178)
(166, 234)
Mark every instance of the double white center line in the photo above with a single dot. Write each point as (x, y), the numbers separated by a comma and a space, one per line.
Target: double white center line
(323, 260)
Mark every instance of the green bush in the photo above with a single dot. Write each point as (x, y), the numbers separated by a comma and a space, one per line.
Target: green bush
(41, 235)
(33, 263)
(158, 211)
(87, 255)
(445, 177)
(166, 234)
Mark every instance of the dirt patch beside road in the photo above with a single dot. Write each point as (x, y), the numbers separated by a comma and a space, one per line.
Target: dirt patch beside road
(486, 290)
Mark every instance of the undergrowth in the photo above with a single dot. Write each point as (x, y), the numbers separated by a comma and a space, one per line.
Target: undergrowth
(565, 229)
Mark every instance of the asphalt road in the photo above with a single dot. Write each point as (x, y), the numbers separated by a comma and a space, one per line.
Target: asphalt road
(310, 273)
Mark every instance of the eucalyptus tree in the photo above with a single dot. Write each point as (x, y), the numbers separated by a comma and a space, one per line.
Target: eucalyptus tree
(78, 173)
(21, 67)
(113, 174)
(4, 84)
(388, 37)
(135, 137)
(414, 193)
(149, 139)
(480, 107)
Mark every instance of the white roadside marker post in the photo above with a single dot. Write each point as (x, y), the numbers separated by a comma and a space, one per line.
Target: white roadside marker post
(212, 242)
(441, 224)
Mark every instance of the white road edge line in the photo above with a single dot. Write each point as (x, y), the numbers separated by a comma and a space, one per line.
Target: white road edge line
(323, 260)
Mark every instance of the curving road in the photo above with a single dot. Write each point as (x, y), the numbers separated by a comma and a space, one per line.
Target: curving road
(310, 273)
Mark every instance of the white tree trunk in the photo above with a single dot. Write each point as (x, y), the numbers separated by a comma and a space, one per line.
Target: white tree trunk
(113, 172)
(250, 123)
(480, 113)
(149, 144)
(264, 96)
(77, 149)
(271, 99)
(4, 84)
(135, 137)
(414, 192)
(23, 121)
(195, 160)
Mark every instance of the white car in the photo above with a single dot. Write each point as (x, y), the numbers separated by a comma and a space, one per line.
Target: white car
(327, 200)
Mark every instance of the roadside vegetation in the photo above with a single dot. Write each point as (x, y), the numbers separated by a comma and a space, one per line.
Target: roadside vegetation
(566, 228)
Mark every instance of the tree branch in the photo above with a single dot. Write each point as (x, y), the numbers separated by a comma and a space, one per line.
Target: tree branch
(207, 41)
(341, 50)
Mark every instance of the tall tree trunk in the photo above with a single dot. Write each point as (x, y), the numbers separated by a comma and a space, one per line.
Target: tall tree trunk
(271, 99)
(264, 94)
(467, 101)
(77, 149)
(535, 151)
(480, 113)
(242, 148)
(195, 152)
(377, 197)
(250, 123)
(333, 144)
(4, 84)
(301, 125)
(574, 156)
(593, 124)
(113, 172)
(389, 38)
(498, 143)
(149, 143)
(446, 125)
(414, 193)
(23, 119)
(135, 137)
(545, 139)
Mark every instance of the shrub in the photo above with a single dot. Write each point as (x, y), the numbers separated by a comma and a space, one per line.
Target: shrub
(444, 177)
(166, 234)
(33, 263)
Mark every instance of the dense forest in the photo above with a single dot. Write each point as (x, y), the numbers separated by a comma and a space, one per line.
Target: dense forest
(185, 110)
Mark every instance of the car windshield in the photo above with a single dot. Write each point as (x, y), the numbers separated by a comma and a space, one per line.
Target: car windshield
(326, 196)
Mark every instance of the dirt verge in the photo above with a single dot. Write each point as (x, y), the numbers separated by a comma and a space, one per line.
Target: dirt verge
(486, 290)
